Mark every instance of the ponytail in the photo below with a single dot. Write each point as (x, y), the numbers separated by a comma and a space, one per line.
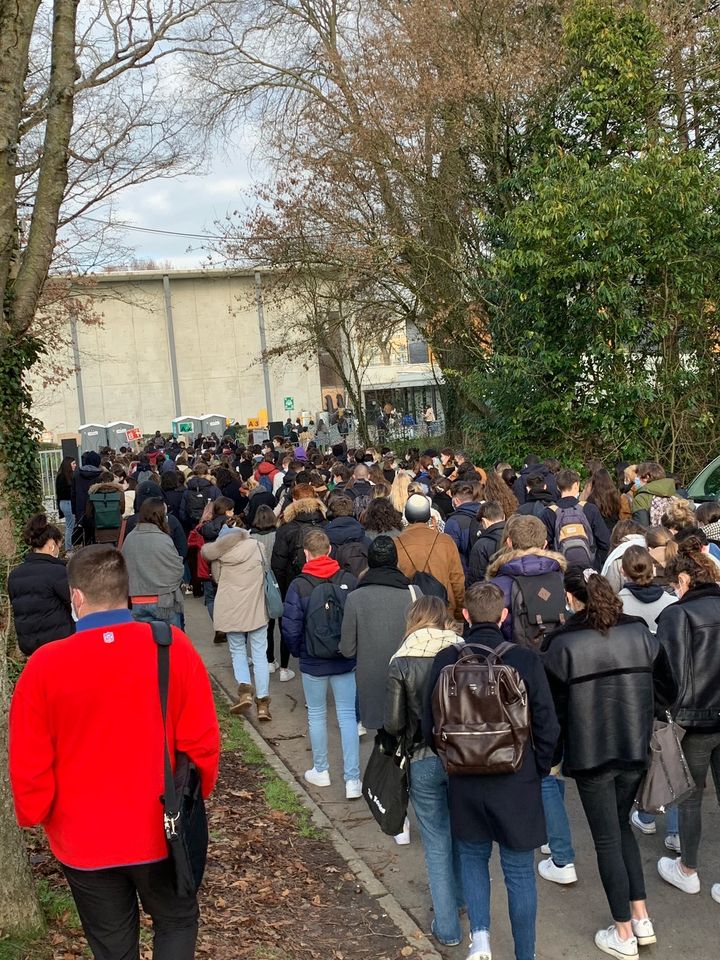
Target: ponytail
(602, 608)
(690, 559)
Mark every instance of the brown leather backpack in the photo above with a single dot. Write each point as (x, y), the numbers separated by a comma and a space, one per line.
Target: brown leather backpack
(481, 713)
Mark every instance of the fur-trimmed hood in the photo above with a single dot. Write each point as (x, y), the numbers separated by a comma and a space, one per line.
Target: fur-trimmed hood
(106, 488)
(308, 507)
(516, 558)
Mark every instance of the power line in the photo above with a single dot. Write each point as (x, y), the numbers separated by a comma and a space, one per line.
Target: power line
(168, 233)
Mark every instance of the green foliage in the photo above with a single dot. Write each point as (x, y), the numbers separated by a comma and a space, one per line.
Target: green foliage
(19, 432)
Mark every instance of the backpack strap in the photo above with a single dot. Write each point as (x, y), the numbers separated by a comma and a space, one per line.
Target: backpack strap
(407, 554)
(427, 561)
(413, 593)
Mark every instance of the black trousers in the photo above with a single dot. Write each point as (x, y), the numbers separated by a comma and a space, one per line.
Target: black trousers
(107, 901)
(607, 800)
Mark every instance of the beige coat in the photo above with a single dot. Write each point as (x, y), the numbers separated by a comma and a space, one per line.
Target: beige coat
(237, 567)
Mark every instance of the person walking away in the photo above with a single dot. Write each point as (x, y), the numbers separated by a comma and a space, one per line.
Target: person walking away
(654, 492)
(492, 521)
(689, 632)
(422, 550)
(263, 531)
(63, 497)
(428, 630)
(575, 528)
(626, 534)
(83, 478)
(606, 672)
(86, 711)
(38, 588)
(662, 548)
(240, 612)
(346, 535)
(380, 518)
(155, 568)
(537, 496)
(312, 626)
(606, 497)
(374, 624)
(217, 515)
(104, 512)
(199, 491)
(172, 490)
(643, 598)
(503, 808)
(463, 525)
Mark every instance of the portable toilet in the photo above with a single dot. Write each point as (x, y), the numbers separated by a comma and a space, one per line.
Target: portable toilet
(117, 433)
(93, 436)
(213, 423)
(186, 428)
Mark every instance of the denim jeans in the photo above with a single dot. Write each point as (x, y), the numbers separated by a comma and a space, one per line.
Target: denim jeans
(702, 752)
(429, 798)
(209, 592)
(237, 644)
(67, 512)
(343, 688)
(556, 820)
(519, 872)
(607, 800)
(147, 612)
(672, 819)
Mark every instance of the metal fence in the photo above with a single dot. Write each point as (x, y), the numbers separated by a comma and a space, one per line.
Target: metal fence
(50, 461)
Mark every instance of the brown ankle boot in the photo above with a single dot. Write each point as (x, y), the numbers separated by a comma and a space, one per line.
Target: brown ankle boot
(245, 699)
(263, 708)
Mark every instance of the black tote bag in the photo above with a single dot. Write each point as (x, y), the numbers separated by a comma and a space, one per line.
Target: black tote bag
(386, 784)
(184, 816)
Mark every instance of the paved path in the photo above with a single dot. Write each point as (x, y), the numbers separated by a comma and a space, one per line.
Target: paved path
(688, 927)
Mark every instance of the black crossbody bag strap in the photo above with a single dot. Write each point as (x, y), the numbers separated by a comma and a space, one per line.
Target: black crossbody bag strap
(162, 635)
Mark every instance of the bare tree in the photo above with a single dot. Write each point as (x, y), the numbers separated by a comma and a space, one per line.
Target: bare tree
(88, 105)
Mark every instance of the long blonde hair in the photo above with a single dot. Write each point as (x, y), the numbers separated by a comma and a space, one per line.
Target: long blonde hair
(399, 492)
(427, 612)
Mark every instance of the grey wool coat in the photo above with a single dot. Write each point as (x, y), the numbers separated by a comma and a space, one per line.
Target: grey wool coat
(373, 629)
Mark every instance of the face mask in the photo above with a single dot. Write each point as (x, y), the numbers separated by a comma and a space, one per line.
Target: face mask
(637, 482)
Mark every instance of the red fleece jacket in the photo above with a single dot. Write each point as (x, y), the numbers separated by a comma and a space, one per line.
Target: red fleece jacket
(86, 741)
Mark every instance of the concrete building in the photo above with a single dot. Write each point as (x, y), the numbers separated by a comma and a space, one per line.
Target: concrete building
(182, 343)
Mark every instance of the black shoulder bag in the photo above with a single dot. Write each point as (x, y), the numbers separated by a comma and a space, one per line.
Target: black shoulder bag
(184, 816)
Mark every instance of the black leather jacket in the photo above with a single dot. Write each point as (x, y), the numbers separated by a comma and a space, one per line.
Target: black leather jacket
(604, 687)
(689, 632)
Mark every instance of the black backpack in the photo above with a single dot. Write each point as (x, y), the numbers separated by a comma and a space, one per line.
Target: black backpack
(426, 583)
(351, 556)
(537, 605)
(196, 499)
(474, 528)
(324, 615)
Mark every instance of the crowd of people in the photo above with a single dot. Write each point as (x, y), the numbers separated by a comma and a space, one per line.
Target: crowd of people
(371, 573)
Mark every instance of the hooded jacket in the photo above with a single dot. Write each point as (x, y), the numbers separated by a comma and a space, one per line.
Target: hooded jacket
(459, 527)
(266, 469)
(538, 469)
(646, 602)
(594, 518)
(288, 558)
(104, 536)
(485, 548)
(406, 686)
(507, 566)
(612, 568)
(209, 491)
(689, 632)
(83, 478)
(349, 543)
(644, 495)
(536, 504)
(237, 566)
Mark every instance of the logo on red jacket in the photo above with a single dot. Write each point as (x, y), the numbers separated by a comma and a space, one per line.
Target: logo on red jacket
(109, 637)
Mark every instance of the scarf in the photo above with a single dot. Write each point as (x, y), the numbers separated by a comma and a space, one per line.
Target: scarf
(712, 530)
(426, 642)
(384, 577)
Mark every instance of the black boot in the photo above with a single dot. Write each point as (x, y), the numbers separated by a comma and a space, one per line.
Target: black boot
(220, 637)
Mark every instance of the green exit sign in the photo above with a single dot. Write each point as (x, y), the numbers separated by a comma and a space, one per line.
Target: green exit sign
(289, 403)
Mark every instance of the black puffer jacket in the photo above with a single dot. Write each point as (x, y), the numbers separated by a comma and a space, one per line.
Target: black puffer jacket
(605, 688)
(484, 549)
(689, 632)
(40, 598)
(288, 558)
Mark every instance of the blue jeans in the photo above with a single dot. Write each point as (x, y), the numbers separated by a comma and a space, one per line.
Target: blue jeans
(209, 592)
(147, 612)
(429, 798)
(343, 688)
(519, 872)
(237, 644)
(556, 820)
(66, 511)
(672, 819)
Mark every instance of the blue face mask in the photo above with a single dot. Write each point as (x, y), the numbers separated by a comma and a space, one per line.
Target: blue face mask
(637, 482)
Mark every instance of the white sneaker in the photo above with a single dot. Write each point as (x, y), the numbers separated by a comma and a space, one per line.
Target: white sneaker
(672, 842)
(669, 870)
(609, 942)
(272, 667)
(353, 789)
(403, 839)
(545, 849)
(480, 946)
(549, 870)
(644, 932)
(715, 892)
(318, 778)
(361, 730)
(286, 674)
(646, 828)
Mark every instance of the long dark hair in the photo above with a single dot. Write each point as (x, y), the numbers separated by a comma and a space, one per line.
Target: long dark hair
(153, 511)
(604, 494)
(602, 608)
(65, 469)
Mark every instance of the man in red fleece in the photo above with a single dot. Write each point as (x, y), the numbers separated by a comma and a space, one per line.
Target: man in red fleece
(86, 760)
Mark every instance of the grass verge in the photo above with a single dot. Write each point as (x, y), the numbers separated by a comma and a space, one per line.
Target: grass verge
(57, 905)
